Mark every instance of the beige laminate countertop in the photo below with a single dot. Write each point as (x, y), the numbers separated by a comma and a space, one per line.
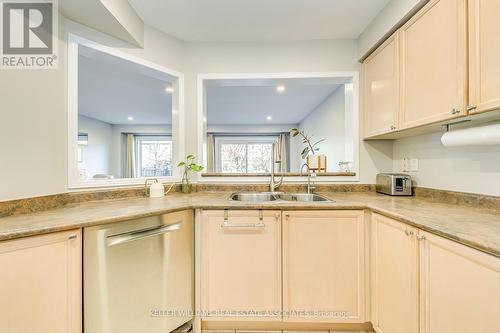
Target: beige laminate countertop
(476, 227)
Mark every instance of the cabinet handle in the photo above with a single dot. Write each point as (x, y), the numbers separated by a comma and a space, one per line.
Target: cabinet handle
(242, 225)
(471, 108)
(287, 215)
(420, 237)
(393, 128)
(71, 237)
(408, 232)
(455, 111)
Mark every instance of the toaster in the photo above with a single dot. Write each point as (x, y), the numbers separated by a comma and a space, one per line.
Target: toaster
(394, 184)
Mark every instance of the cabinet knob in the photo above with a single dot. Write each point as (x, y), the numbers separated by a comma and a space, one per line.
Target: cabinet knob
(393, 127)
(455, 111)
(408, 232)
(420, 237)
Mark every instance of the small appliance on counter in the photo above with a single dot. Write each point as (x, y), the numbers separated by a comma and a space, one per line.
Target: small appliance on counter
(394, 184)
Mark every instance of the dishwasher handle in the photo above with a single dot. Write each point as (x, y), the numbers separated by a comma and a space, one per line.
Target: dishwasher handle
(140, 234)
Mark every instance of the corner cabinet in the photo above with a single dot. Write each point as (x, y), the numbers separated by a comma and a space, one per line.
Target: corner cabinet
(381, 88)
(484, 55)
(459, 288)
(324, 266)
(433, 64)
(394, 274)
(241, 265)
(428, 284)
(40, 284)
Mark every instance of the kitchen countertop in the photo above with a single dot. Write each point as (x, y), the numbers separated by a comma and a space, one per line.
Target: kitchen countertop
(476, 227)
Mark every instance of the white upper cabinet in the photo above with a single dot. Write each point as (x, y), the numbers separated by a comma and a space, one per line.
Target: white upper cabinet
(433, 64)
(484, 55)
(381, 88)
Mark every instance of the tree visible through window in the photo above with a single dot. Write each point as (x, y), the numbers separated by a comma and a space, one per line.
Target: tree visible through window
(244, 154)
(154, 156)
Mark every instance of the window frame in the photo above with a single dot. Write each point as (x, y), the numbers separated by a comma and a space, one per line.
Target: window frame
(74, 183)
(351, 82)
(138, 139)
(239, 139)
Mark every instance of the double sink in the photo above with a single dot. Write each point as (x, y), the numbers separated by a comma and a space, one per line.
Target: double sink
(277, 196)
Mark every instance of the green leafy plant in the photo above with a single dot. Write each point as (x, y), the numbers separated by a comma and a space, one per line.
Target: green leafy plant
(189, 166)
(311, 147)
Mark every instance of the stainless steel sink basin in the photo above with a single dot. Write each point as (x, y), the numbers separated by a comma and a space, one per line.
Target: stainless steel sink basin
(302, 197)
(254, 197)
(267, 196)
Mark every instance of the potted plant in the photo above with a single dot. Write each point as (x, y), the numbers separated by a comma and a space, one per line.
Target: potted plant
(314, 161)
(189, 166)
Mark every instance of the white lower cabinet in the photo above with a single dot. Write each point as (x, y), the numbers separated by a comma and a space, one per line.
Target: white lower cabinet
(394, 254)
(324, 266)
(323, 262)
(241, 265)
(459, 287)
(40, 284)
(310, 267)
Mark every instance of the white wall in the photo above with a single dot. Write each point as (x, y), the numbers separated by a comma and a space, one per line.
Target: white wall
(463, 169)
(326, 121)
(389, 17)
(97, 154)
(33, 160)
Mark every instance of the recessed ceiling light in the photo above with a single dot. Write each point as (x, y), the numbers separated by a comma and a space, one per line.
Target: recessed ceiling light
(130, 118)
(269, 118)
(169, 89)
(280, 88)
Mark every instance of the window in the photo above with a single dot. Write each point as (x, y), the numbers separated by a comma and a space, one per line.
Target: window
(154, 155)
(244, 154)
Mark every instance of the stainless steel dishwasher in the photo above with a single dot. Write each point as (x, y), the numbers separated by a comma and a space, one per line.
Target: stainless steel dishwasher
(138, 274)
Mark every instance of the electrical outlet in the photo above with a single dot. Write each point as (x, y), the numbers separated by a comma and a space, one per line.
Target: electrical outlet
(414, 165)
(406, 165)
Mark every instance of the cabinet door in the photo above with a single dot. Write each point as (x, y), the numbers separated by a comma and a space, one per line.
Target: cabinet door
(381, 88)
(40, 284)
(433, 64)
(241, 265)
(484, 54)
(394, 275)
(323, 266)
(459, 286)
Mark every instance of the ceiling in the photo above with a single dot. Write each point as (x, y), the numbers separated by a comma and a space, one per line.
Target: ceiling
(251, 102)
(111, 89)
(258, 20)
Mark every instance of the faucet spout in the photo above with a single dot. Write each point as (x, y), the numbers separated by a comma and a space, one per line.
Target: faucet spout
(309, 187)
(273, 185)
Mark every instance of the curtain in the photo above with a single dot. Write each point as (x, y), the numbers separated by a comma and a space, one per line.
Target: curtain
(282, 152)
(130, 156)
(210, 153)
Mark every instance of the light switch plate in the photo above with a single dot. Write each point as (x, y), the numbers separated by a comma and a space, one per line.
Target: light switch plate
(414, 164)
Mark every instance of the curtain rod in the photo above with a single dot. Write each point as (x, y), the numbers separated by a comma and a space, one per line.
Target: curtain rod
(247, 134)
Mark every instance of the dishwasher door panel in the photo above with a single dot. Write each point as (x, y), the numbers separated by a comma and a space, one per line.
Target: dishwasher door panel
(143, 283)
